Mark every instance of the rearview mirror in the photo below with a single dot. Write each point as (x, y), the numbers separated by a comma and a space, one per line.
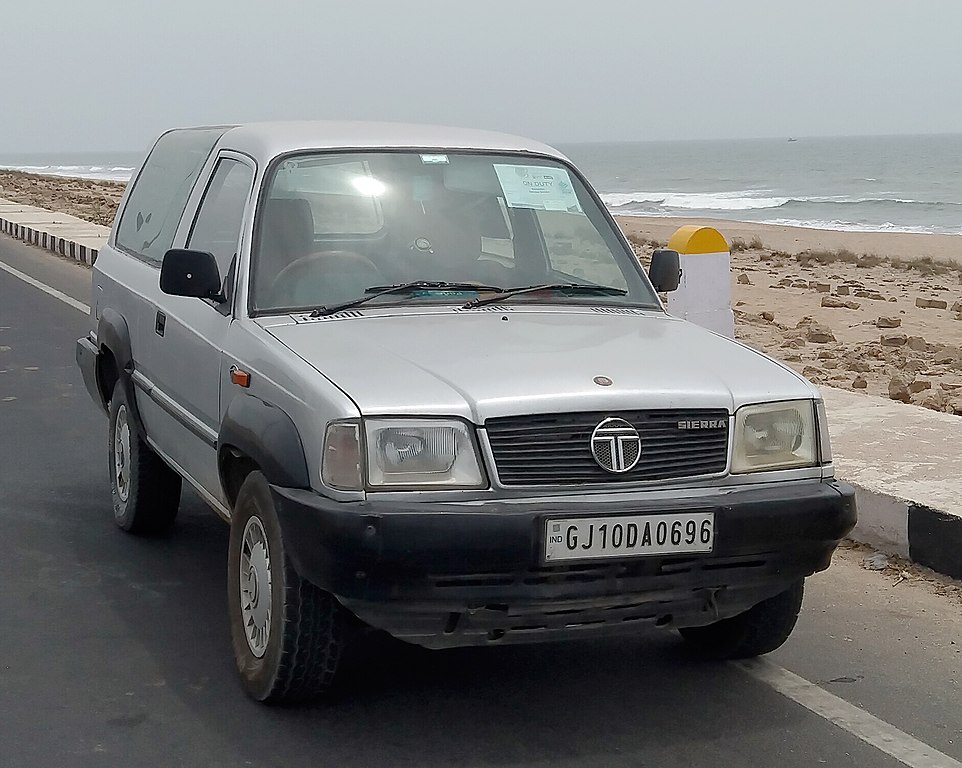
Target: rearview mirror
(190, 273)
(665, 269)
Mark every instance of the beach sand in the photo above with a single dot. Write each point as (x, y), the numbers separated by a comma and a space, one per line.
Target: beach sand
(842, 308)
(885, 320)
(903, 245)
(88, 199)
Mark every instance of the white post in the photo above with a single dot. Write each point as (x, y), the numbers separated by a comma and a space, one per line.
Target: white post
(704, 295)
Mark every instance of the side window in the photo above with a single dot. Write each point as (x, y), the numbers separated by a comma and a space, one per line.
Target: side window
(157, 199)
(577, 249)
(218, 222)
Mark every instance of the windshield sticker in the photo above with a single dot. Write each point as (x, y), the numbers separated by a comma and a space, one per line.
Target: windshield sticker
(434, 159)
(539, 187)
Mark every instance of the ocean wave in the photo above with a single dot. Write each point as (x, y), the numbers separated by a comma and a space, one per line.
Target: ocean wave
(696, 201)
(750, 200)
(855, 226)
(832, 224)
(843, 200)
(618, 199)
(95, 172)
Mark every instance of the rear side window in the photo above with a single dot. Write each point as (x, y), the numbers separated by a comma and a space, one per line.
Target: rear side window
(157, 199)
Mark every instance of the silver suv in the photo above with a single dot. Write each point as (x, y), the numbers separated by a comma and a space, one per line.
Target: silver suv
(427, 382)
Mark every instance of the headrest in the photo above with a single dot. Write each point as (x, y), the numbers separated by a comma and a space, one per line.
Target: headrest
(288, 227)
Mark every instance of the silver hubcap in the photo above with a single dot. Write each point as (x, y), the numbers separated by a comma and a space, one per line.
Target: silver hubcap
(255, 586)
(122, 454)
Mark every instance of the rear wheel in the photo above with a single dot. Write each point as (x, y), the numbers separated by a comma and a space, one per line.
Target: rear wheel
(288, 636)
(761, 629)
(145, 491)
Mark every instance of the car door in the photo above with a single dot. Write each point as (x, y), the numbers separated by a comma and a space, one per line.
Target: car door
(128, 269)
(186, 347)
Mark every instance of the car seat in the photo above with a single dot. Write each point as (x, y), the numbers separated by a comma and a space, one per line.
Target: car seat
(287, 234)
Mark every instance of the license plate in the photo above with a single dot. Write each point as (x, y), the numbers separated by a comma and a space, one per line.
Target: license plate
(594, 538)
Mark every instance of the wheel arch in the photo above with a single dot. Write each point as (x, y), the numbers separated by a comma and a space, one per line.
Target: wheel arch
(256, 435)
(115, 362)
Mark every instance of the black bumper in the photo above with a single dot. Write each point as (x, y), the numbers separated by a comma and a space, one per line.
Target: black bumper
(445, 574)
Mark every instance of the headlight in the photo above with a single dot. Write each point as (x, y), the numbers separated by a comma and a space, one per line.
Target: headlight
(401, 454)
(775, 436)
(421, 452)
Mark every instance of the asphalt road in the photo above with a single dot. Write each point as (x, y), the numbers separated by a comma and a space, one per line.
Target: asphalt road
(114, 650)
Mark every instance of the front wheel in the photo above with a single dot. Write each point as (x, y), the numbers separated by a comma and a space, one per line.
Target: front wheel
(759, 630)
(288, 636)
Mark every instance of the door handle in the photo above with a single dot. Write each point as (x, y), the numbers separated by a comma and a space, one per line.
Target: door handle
(160, 323)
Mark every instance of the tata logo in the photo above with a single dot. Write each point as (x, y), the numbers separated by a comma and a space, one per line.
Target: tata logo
(703, 424)
(616, 445)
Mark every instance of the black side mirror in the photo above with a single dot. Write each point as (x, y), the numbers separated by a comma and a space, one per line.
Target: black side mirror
(665, 269)
(190, 273)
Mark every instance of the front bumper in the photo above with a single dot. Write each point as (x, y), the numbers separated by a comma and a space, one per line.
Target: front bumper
(448, 574)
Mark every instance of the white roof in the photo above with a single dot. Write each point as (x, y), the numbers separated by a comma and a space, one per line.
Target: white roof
(264, 141)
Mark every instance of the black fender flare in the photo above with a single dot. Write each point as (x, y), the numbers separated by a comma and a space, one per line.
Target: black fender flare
(267, 435)
(113, 335)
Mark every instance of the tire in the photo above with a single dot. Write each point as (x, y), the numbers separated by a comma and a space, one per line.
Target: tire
(290, 653)
(759, 630)
(144, 490)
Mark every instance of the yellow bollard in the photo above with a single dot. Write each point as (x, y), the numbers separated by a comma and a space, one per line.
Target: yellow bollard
(704, 296)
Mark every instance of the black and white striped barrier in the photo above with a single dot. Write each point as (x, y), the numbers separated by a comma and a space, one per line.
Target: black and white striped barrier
(935, 539)
(919, 533)
(49, 241)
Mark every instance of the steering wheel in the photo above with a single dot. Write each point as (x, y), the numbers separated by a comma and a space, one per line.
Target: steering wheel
(324, 273)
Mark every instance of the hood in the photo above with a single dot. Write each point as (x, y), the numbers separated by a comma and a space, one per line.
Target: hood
(506, 362)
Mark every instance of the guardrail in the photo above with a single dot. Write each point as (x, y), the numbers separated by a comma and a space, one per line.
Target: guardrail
(58, 233)
(50, 242)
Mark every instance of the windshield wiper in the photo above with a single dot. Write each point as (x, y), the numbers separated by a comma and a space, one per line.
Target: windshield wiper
(375, 291)
(599, 290)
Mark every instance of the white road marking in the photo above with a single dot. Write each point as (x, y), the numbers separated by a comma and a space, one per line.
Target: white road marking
(870, 729)
(46, 288)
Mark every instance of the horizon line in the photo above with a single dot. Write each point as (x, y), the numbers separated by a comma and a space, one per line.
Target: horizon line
(577, 142)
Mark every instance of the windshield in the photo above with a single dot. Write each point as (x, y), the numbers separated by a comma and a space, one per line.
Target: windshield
(331, 226)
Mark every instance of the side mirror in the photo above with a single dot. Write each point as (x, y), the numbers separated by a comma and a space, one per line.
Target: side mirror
(190, 273)
(665, 269)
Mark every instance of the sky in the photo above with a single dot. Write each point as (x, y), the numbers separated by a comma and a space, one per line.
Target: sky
(112, 74)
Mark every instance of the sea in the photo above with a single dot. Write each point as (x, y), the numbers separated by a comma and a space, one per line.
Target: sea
(867, 183)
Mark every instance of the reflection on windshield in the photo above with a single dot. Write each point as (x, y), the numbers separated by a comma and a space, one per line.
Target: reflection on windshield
(331, 226)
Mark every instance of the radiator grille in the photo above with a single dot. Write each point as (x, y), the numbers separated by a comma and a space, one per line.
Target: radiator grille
(555, 449)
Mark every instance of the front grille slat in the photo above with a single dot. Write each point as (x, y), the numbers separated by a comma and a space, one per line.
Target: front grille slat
(650, 439)
(555, 449)
(710, 451)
